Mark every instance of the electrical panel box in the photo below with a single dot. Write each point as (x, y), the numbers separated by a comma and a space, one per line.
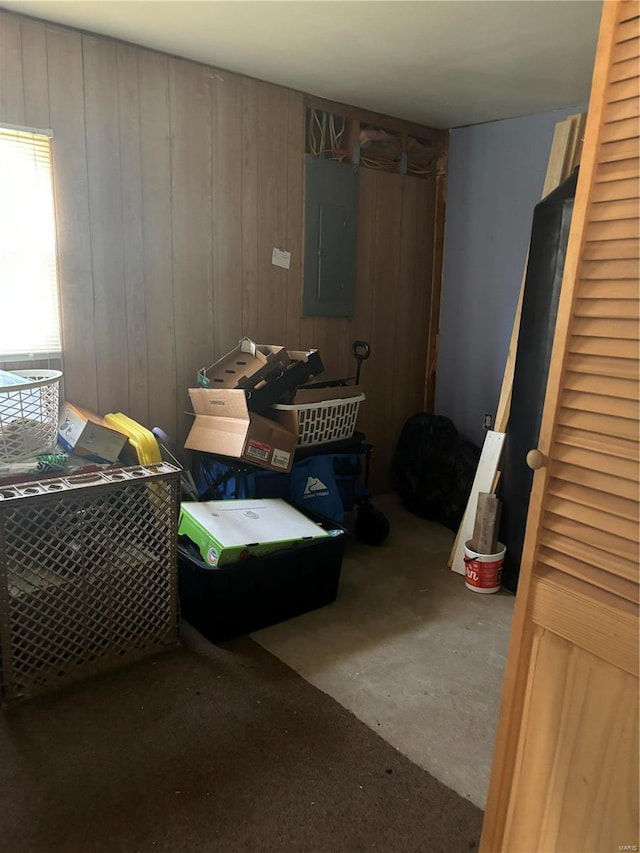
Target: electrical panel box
(330, 238)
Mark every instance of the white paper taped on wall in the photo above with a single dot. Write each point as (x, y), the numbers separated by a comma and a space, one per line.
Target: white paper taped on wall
(280, 258)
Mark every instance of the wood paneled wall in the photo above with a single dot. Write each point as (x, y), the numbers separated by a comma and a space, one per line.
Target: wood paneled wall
(174, 181)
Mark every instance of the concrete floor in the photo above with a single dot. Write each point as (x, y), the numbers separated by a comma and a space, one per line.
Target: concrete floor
(409, 650)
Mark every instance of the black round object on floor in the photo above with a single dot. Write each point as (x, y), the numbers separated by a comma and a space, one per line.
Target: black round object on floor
(372, 526)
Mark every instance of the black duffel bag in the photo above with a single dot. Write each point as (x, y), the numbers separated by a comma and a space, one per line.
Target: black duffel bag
(433, 469)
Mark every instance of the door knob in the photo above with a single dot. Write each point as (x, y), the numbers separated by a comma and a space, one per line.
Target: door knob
(535, 459)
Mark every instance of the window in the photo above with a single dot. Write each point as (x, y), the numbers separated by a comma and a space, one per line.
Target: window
(29, 314)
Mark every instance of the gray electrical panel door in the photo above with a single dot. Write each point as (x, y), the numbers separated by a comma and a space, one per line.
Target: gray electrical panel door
(330, 238)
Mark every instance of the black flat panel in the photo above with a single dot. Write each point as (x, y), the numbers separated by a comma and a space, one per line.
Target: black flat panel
(549, 237)
(331, 252)
(330, 238)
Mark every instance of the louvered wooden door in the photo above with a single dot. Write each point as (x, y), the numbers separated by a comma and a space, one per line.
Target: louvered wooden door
(565, 773)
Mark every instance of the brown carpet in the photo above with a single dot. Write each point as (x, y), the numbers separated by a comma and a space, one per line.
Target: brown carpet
(213, 748)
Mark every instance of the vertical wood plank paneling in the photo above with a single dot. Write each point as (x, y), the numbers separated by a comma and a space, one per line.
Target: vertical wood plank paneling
(273, 111)
(295, 212)
(362, 324)
(105, 217)
(226, 114)
(331, 337)
(66, 101)
(347, 364)
(153, 77)
(131, 187)
(434, 307)
(35, 84)
(307, 327)
(11, 70)
(406, 336)
(385, 301)
(153, 82)
(190, 117)
(421, 299)
(251, 136)
(174, 182)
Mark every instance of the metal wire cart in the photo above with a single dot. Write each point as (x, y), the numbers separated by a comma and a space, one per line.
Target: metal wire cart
(87, 575)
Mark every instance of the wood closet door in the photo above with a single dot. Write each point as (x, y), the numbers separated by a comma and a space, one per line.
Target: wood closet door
(565, 772)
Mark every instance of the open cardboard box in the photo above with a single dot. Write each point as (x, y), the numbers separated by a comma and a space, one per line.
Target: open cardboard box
(303, 366)
(86, 434)
(321, 394)
(224, 425)
(244, 366)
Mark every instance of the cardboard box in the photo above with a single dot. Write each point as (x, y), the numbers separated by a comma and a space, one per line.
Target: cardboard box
(322, 395)
(227, 602)
(85, 434)
(244, 366)
(278, 386)
(228, 531)
(223, 425)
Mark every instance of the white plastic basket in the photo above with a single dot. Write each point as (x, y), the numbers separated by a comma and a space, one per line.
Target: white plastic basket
(330, 420)
(29, 414)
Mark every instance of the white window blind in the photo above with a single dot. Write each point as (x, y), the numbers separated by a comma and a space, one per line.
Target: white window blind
(29, 313)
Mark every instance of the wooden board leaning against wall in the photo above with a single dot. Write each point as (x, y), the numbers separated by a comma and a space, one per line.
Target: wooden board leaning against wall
(173, 182)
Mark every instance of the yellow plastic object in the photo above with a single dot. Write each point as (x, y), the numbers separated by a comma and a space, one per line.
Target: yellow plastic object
(143, 441)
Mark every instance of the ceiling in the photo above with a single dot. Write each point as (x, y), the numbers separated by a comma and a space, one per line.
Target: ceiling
(443, 64)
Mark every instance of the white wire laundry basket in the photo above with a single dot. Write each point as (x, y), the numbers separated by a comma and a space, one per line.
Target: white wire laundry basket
(29, 414)
(330, 420)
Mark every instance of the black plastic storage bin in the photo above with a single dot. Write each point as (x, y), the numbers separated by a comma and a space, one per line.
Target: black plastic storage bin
(228, 601)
